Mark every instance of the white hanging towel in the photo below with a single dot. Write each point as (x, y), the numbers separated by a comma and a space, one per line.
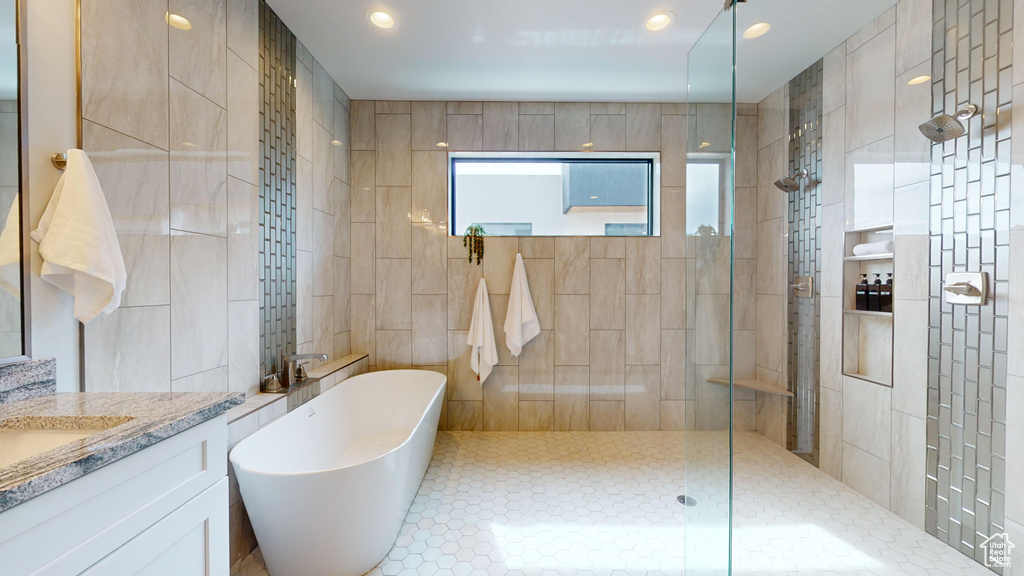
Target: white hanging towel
(78, 242)
(521, 323)
(484, 355)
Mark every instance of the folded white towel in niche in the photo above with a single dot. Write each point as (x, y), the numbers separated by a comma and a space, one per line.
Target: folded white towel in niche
(78, 242)
(873, 248)
(484, 353)
(521, 322)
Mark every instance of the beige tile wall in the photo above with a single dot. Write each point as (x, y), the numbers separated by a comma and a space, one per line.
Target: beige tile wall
(612, 354)
(171, 120)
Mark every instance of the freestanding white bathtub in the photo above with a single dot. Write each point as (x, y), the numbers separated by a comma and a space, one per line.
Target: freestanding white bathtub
(327, 486)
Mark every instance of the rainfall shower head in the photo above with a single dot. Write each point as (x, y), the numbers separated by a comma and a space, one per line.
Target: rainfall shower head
(946, 127)
(791, 184)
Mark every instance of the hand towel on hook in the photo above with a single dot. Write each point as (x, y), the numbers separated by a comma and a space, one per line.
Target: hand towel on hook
(521, 322)
(78, 242)
(484, 354)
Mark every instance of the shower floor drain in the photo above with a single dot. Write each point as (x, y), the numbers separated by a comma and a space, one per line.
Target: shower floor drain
(686, 500)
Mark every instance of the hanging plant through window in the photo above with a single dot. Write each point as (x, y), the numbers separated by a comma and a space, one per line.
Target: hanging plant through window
(473, 240)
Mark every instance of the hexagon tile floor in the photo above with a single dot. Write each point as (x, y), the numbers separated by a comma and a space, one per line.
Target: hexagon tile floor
(605, 504)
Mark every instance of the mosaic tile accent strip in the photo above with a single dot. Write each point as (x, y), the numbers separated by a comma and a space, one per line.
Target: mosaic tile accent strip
(604, 503)
(970, 231)
(805, 112)
(277, 190)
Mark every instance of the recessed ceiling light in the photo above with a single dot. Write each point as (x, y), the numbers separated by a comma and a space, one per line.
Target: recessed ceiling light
(919, 80)
(380, 19)
(660, 20)
(179, 22)
(442, 144)
(757, 30)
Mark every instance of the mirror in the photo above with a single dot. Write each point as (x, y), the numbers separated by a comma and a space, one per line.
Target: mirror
(12, 276)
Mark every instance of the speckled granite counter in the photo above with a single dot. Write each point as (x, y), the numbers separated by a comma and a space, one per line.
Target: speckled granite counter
(154, 417)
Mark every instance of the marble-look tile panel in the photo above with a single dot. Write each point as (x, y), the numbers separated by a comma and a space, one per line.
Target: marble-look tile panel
(394, 299)
(910, 349)
(572, 398)
(342, 295)
(771, 332)
(607, 294)
(303, 204)
(243, 240)
(607, 247)
(364, 312)
(712, 335)
(323, 259)
(830, 433)
(673, 151)
(499, 309)
(833, 161)
(536, 108)
(643, 127)
(643, 265)
(323, 325)
(832, 250)
(342, 219)
(643, 329)
(542, 247)
(466, 108)
(323, 170)
(572, 265)
(643, 398)
(673, 293)
(713, 255)
(607, 364)
(393, 107)
(536, 416)
(468, 416)
(867, 474)
(711, 401)
(572, 125)
(429, 125)
(771, 417)
(133, 45)
(134, 176)
(867, 422)
(364, 186)
(342, 143)
(537, 368)
(744, 294)
(673, 222)
(243, 97)
(746, 151)
(198, 56)
(831, 342)
(869, 184)
(607, 132)
(773, 117)
(536, 132)
(364, 132)
(465, 132)
(364, 241)
(745, 223)
(675, 415)
(607, 416)
(244, 31)
(323, 96)
(430, 187)
(906, 493)
(871, 89)
(304, 112)
(771, 257)
(673, 365)
(463, 280)
(499, 265)
(771, 165)
(429, 259)
(394, 153)
(462, 381)
(394, 230)
(884, 22)
(572, 330)
(1014, 444)
(303, 297)
(912, 152)
(129, 350)
(199, 296)
(199, 175)
(833, 94)
(501, 399)
(501, 127)
(394, 349)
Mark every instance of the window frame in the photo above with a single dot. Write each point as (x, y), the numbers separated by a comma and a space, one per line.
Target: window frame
(652, 159)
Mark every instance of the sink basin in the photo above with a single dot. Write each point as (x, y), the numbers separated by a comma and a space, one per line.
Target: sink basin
(26, 436)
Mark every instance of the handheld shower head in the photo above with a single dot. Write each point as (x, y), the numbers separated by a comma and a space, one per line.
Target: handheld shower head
(792, 184)
(945, 127)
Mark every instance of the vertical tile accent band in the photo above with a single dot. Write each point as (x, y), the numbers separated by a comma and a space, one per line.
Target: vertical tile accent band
(277, 189)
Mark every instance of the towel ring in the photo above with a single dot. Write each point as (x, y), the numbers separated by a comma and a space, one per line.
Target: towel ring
(59, 160)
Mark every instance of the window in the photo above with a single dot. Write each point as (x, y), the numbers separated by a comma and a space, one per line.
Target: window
(555, 194)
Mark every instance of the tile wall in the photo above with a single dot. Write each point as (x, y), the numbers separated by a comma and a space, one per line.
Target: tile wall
(617, 314)
(875, 171)
(10, 298)
(171, 122)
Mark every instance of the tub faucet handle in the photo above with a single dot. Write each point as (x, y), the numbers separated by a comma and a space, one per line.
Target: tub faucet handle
(291, 367)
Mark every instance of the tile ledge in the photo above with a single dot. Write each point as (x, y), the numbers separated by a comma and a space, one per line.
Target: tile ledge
(339, 364)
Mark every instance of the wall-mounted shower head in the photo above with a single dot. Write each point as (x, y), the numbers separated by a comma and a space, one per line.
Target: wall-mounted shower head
(791, 184)
(946, 127)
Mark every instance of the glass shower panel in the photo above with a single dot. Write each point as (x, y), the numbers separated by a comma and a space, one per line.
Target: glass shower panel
(707, 391)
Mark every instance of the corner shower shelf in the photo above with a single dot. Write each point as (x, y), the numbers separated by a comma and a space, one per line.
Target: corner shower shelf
(752, 384)
(868, 313)
(869, 257)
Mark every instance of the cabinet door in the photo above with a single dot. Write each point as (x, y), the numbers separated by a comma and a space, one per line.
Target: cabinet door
(191, 541)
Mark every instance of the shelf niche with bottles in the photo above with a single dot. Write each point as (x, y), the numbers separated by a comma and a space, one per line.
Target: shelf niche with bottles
(868, 327)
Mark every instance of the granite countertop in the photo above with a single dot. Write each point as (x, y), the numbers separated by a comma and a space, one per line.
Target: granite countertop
(153, 417)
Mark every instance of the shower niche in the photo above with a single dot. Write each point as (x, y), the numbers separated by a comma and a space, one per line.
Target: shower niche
(868, 314)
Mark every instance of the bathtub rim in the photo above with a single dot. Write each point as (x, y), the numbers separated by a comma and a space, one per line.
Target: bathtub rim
(440, 391)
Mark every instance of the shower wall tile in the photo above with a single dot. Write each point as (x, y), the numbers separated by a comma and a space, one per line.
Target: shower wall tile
(607, 132)
(608, 294)
(643, 265)
(830, 454)
(364, 265)
(323, 97)
(572, 265)
(394, 298)
(536, 416)
(430, 329)
(243, 241)
(429, 185)
(462, 381)
(540, 273)
(771, 165)
(673, 294)
(912, 151)
(499, 265)
(394, 150)
(199, 175)
(323, 170)
(304, 112)
(572, 398)
(913, 34)
(834, 81)
(643, 329)
(537, 368)
(673, 223)
(303, 298)
(198, 56)
(303, 204)
(501, 399)
(674, 383)
(429, 259)
(465, 108)
(884, 21)
(463, 280)
(869, 425)
(674, 415)
(772, 117)
(199, 315)
(906, 494)
(540, 247)
(364, 186)
(342, 219)
(643, 127)
(606, 247)
(323, 324)
(501, 125)
(607, 364)
(394, 349)
(323, 260)
(243, 109)
(466, 416)
(536, 132)
(572, 330)
(465, 132)
(394, 231)
(643, 402)
(129, 350)
(429, 125)
(572, 125)
(364, 131)
(870, 89)
(607, 416)
(673, 151)
(866, 474)
(744, 223)
(869, 184)
(833, 161)
(712, 347)
(243, 34)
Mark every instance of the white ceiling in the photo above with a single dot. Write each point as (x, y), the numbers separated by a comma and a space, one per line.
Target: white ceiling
(563, 50)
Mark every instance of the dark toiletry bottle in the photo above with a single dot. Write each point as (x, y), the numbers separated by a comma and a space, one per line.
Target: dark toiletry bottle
(885, 294)
(862, 293)
(874, 294)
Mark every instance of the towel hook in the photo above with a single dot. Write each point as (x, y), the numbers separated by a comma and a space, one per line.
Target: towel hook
(59, 160)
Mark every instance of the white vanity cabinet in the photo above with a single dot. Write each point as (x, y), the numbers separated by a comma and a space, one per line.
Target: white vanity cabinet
(162, 510)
